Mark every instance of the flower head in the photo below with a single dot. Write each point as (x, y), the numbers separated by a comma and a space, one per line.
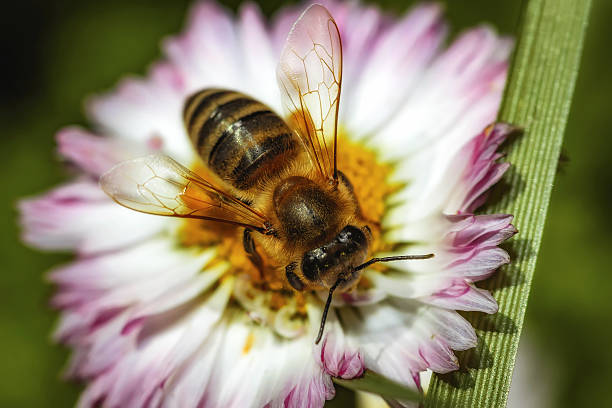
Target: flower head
(163, 311)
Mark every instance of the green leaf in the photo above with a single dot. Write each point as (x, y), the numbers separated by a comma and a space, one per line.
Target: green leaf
(376, 383)
(537, 98)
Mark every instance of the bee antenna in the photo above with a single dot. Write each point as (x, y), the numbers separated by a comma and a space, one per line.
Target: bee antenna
(358, 268)
(327, 304)
(391, 258)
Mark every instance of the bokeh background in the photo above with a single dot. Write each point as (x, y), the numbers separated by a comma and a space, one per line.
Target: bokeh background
(55, 53)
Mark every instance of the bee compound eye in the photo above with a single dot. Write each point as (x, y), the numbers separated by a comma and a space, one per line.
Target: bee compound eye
(292, 278)
(312, 263)
(355, 235)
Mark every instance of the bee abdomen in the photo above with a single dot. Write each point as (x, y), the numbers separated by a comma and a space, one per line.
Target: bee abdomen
(239, 138)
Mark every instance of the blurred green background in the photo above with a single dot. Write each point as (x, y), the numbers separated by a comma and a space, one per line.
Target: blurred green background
(56, 53)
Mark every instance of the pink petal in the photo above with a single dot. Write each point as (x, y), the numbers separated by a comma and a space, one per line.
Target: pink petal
(79, 216)
(401, 338)
(480, 264)
(465, 251)
(94, 154)
(463, 296)
(337, 355)
(483, 230)
(477, 163)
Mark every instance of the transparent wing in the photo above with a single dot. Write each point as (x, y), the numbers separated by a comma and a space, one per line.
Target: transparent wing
(159, 185)
(310, 77)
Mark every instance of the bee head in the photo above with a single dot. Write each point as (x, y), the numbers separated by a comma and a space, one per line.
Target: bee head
(337, 265)
(336, 260)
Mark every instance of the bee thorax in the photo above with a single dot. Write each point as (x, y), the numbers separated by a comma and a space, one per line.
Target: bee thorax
(307, 213)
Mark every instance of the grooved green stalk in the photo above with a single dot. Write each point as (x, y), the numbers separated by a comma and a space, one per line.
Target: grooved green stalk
(537, 98)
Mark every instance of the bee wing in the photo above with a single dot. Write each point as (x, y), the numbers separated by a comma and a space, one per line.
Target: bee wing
(159, 185)
(309, 75)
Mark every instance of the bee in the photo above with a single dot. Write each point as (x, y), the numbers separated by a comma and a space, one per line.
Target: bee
(276, 178)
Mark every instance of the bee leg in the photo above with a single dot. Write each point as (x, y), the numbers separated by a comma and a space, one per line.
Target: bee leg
(249, 247)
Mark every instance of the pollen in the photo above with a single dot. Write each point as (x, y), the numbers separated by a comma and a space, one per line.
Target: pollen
(248, 344)
(369, 177)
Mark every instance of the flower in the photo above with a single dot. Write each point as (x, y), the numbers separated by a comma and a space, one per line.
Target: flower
(165, 312)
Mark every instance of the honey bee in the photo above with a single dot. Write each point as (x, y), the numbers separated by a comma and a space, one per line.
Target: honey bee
(277, 179)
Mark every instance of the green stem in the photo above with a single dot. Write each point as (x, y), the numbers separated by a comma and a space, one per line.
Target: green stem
(376, 383)
(537, 98)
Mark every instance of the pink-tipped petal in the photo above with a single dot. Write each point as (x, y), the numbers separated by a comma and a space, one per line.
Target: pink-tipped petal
(338, 354)
(478, 167)
(463, 296)
(401, 338)
(93, 154)
(147, 112)
(79, 216)
(465, 252)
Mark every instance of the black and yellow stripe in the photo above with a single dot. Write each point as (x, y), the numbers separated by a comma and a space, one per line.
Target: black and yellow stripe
(239, 138)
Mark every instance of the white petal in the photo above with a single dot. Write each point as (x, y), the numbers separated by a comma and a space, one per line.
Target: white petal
(454, 101)
(393, 67)
(458, 96)
(131, 266)
(259, 57)
(147, 112)
(247, 365)
(175, 296)
(147, 361)
(207, 53)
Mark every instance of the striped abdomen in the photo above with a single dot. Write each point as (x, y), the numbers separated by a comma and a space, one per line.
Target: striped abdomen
(241, 140)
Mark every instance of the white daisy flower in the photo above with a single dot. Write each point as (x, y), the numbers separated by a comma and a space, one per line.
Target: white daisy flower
(173, 312)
